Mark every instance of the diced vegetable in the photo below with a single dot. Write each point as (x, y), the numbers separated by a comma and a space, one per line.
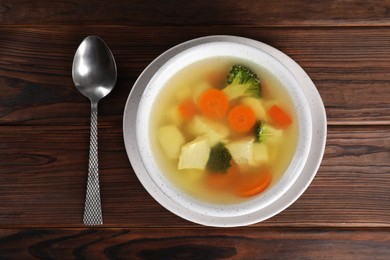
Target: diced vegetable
(270, 137)
(257, 107)
(214, 131)
(173, 115)
(242, 82)
(241, 118)
(241, 151)
(193, 176)
(187, 109)
(198, 126)
(171, 140)
(254, 183)
(258, 131)
(260, 154)
(279, 117)
(213, 103)
(219, 159)
(267, 133)
(195, 154)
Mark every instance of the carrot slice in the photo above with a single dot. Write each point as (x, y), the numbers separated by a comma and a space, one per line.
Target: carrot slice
(279, 117)
(253, 184)
(241, 118)
(187, 109)
(213, 103)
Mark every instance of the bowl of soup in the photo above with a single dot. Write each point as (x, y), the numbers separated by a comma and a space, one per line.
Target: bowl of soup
(221, 131)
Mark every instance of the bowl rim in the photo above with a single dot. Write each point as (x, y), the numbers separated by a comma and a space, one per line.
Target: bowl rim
(246, 53)
(287, 199)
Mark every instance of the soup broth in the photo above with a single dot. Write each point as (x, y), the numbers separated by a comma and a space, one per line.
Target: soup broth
(220, 143)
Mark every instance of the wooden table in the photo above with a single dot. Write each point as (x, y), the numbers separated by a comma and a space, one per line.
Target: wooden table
(44, 130)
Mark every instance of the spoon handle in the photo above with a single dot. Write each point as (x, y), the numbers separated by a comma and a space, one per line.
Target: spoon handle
(93, 209)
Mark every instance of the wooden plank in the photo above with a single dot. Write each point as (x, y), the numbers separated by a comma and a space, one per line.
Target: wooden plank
(221, 12)
(199, 243)
(43, 177)
(36, 88)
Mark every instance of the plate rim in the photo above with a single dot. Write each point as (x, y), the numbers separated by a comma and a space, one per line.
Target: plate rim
(310, 169)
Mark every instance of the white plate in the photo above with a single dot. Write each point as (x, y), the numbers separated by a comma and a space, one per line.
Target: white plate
(316, 150)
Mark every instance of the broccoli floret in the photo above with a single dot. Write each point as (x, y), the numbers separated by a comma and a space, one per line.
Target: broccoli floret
(259, 135)
(242, 82)
(263, 132)
(219, 159)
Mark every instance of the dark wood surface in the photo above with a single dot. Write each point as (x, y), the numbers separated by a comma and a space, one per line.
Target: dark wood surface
(344, 46)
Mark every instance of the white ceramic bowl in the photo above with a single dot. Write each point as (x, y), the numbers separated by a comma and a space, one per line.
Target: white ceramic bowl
(154, 180)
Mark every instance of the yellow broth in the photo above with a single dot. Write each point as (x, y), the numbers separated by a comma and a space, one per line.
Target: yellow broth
(189, 83)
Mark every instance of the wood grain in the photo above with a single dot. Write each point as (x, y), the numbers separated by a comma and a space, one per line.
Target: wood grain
(199, 243)
(43, 175)
(36, 88)
(220, 12)
(344, 46)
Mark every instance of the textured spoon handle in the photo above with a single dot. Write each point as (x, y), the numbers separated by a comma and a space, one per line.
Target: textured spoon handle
(93, 210)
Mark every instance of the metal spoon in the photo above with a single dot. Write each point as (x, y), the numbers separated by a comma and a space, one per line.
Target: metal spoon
(94, 74)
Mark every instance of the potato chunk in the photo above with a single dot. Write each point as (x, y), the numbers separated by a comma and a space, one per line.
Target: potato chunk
(241, 150)
(171, 140)
(195, 154)
(214, 131)
(260, 154)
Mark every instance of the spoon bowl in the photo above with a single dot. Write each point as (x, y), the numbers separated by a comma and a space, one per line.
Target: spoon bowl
(94, 74)
(94, 70)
